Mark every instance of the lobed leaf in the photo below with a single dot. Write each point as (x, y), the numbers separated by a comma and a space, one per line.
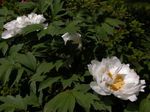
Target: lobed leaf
(63, 102)
(28, 60)
(48, 82)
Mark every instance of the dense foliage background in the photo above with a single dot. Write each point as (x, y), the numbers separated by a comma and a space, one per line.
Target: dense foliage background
(38, 73)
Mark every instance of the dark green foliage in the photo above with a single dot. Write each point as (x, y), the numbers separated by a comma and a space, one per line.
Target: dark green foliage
(39, 73)
(17, 103)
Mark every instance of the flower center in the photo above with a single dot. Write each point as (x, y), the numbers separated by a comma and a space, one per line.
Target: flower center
(117, 83)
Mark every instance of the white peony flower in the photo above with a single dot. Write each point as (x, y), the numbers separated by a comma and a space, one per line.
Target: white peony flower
(75, 37)
(15, 26)
(112, 77)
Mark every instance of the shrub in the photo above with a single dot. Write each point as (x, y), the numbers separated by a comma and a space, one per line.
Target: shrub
(38, 72)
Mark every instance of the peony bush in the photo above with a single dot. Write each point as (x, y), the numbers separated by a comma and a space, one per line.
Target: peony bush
(74, 56)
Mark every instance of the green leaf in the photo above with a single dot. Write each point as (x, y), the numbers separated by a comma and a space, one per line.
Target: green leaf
(100, 31)
(25, 5)
(7, 74)
(37, 77)
(19, 75)
(44, 4)
(63, 102)
(11, 103)
(15, 48)
(72, 27)
(28, 60)
(53, 29)
(40, 97)
(58, 64)
(31, 28)
(85, 99)
(42, 33)
(4, 47)
(6, 68)
(114, 22)
(48, 82)
(56, 7)
(5, 71)
(104, 104)
(41, 70)
(4, 11)
(31, 100)
(145, 105)
(45, 67)
(82, 87)
(107, 28)
(38, 46)
(33, 87)
(68, 82)
(2, 20)
(99, 106)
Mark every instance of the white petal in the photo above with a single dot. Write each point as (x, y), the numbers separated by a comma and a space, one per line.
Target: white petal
(45, 25)
(142, 82)
(93, 67)
(22, 22)
(66, 37)
(40, 19)
(36, 19)
(131, 90)
(32, 15)
(124, 69)
(10, 25)
(97, 89)
(132, 98)
(75, 37)
(7, 34)
(111, 62)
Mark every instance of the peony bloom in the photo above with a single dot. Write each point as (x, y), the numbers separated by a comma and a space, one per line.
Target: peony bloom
(75, 37)
(15, 26)
(112, 77)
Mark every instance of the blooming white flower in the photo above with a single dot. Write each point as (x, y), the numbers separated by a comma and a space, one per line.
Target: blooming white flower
(15, 26)
(112, 77)
(75, 37)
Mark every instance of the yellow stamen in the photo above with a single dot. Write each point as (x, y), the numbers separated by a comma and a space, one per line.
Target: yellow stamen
(118, 83)
(110, 75)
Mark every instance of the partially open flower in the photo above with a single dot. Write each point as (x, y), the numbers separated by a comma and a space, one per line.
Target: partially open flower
(75, 37)
(15, 26)
(112, 77)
